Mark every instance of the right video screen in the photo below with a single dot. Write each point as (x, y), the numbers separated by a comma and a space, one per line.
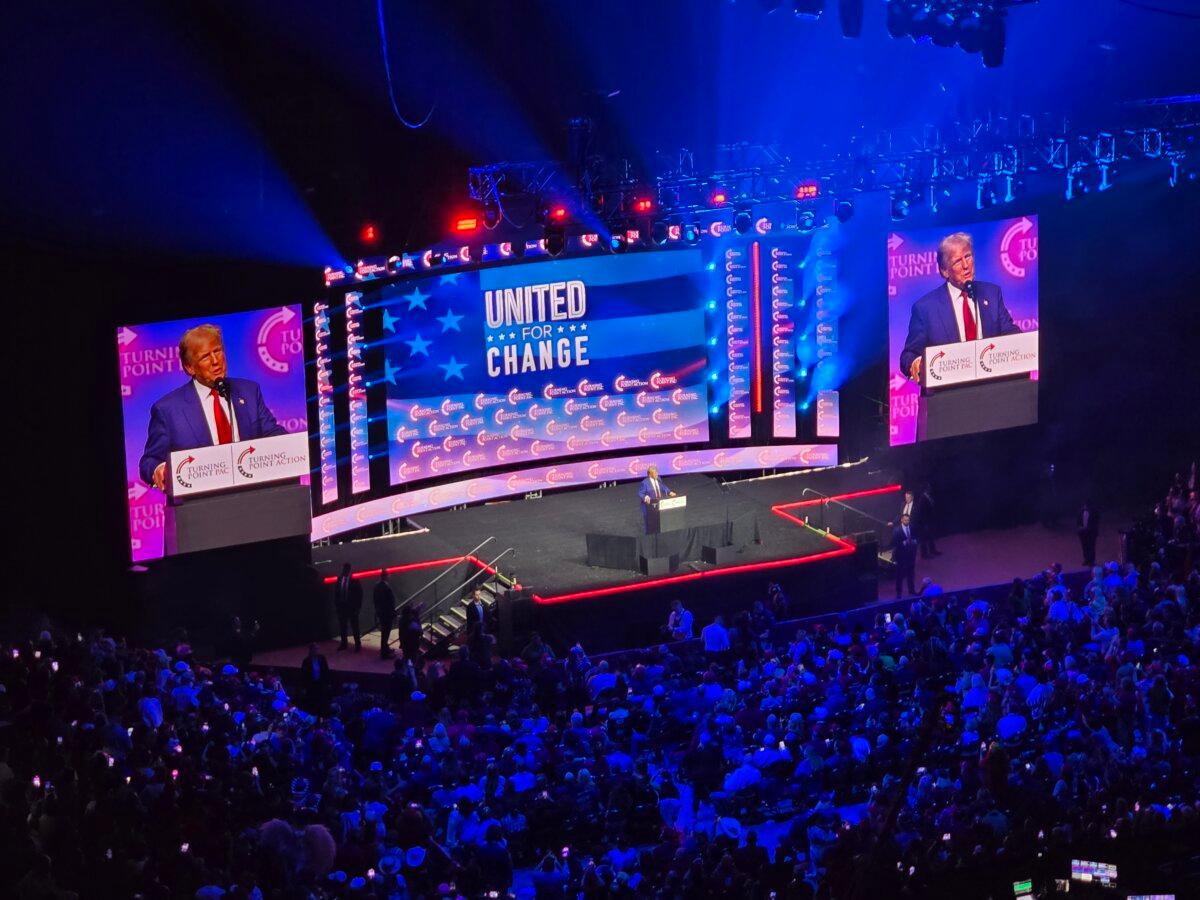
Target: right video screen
(962, 329)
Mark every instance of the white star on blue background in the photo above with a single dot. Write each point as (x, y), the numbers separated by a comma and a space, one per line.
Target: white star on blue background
(450, 321)
(389, 371)
(453, 369)
(452, 278)
(415, 299)
(419, 345)
(389, 321)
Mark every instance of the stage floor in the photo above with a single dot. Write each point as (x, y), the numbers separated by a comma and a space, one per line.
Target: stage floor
(548, 535)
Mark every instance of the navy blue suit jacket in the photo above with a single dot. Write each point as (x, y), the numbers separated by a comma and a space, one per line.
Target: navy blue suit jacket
(933, 321)
(647, 490)
(177, 422)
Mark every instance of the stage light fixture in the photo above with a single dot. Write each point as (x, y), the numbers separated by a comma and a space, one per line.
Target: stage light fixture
(718, 197)
(985, 194)
(555, 239)
(491, 214)
(369, 234)
(742, 221)
(850, 15)
(843, 210)
(808, 9)
(943, 29)
(994, 38)
(616, 242)
(466, 224)
(806, 221)
(659, 233)
(691, 233)
(900, 208)
(643, 206)
(899, 19)
(807, 190)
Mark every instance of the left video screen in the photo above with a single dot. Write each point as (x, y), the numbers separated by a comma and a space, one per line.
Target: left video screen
(211, 385)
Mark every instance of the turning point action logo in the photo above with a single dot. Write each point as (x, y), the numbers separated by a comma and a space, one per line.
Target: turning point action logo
(288, 343)
(1025, 251)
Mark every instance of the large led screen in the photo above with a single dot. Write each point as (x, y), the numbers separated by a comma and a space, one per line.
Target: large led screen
(262, 355)
(508, 366)
(971, 293)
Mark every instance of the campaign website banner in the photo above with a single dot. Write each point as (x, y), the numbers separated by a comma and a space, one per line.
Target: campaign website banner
(785, 270)
(572, 473)
(1005, 258)
(264, 347)
(508, 366)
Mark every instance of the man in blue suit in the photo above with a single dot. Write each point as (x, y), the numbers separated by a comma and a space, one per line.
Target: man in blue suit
(962, 309)
(195, 414)
(652, 489)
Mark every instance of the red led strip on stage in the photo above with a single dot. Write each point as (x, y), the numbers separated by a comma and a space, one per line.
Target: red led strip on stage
(756, 313)
(844, 548)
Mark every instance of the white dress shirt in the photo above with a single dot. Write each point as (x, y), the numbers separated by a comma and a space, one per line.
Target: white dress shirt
(908, 508)
(956, 298)
(206, 404)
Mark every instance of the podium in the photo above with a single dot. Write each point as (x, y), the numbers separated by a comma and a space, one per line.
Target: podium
(982, 385)
(666, 514)
(239, 493)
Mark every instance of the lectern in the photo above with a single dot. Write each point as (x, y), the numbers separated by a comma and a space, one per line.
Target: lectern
(979, 385)
(237, 493)
(667, 514)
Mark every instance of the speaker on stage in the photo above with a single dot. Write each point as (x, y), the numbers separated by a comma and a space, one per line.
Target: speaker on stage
(718, 556)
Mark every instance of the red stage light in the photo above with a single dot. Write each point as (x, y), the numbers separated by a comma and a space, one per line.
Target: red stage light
(808, 190)
(558, 213)
(466, 223)
(718, 197)
(643, 205)
(368, 234)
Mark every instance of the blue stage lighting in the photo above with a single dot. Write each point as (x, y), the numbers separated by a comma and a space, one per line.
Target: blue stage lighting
(712, 304)
(900, 209)
(843, 210)
(713, 376)
(715, 410)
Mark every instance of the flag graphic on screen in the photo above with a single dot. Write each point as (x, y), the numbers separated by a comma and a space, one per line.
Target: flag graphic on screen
(508, 366)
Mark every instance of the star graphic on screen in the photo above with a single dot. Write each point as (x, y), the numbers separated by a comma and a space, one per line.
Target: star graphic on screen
(389, 321)
(490, 338)
(415, 299)
(572, 328)
(583, 326)
(389, 371)
(512, 335)
(450, 321)
(450, 279)
(453, 369)
(560, 329)
(419, 345)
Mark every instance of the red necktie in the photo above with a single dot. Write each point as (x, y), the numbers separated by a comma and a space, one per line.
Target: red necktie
(968, 320)
(224, 432)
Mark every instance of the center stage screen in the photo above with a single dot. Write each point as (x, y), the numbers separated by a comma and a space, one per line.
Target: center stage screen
(508, 366)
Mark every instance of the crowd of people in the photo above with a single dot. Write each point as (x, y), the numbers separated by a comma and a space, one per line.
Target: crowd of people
(896, 751)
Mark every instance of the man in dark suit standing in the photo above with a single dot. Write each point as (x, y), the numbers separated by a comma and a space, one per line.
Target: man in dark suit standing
(924, 522)
(961, 309)
(385, 613)
(1088, 526)
(314, 681)
(406, 680)
(347, 600)
(651, 490)
(207, 410)
(477, 638)
(904, 556)
(408, 633)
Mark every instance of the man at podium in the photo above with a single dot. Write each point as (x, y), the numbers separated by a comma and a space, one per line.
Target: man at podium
(197, 414)
(961, 309)
(652, 489)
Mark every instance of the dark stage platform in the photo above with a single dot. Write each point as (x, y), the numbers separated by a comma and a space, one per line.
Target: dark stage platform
(548, 535)
(542, 542)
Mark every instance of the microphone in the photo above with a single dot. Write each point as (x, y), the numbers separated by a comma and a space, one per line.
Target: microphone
(969, 289)
(222, 387)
